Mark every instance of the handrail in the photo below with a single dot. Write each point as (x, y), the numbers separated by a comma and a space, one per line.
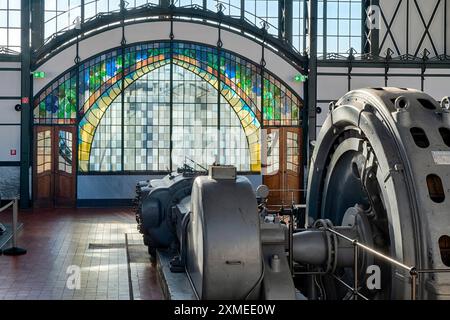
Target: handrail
(356, 243)
(6, 206)
(286, 190)
(14, 250)
(412, 270)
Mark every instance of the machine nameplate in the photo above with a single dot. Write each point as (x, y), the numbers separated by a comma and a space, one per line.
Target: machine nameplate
(441, 157)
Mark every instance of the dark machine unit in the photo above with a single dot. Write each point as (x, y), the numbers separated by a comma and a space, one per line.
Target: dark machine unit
(154, 204)
(377, 188)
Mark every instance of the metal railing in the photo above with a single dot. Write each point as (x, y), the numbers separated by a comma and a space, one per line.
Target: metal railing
(411, 270)
(13, 250)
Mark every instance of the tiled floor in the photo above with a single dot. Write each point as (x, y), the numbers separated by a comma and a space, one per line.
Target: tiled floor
(62, 240)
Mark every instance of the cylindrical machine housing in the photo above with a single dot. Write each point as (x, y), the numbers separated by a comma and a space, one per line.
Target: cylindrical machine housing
(224, 259)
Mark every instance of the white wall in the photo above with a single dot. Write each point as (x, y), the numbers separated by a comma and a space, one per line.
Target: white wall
(412, 20)
(152, 31)
(9, 118)
(333, 83)
(101, 187)
(9, 129)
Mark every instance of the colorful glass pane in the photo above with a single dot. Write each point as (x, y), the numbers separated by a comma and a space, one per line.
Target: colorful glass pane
(57, 103)
(103, 78)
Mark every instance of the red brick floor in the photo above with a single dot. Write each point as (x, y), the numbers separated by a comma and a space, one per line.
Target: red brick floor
(59, 238)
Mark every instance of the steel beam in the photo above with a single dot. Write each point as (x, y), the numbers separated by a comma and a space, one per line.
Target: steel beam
(37, 23)
(372, 43)
(25, 128)
(288, 16)
(312, 73)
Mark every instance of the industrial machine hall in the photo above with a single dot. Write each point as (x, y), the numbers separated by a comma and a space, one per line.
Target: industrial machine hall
(257, 150)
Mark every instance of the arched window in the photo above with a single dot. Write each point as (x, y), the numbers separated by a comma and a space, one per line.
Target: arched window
(151, 107)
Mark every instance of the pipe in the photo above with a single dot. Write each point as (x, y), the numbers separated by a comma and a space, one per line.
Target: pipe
(312, 247)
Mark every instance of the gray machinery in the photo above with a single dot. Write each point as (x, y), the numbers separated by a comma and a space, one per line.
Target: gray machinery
(379, 175)
(216, 232)
(154, 215)
(386, 153)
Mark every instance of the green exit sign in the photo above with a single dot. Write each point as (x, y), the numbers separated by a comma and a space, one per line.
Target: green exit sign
(39, 74)
(300, 78)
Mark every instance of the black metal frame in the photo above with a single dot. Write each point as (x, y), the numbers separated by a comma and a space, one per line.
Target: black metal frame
(25, 128)
(202, 16)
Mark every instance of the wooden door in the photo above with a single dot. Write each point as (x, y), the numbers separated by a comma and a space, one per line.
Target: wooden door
(54, 170)
(282, 169)
(65, 170)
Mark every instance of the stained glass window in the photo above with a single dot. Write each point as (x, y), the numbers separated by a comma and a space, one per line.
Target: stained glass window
(106, 153)
(244, 78)
(44, 151)
(272, 151)
(124, 107)
(65, 149)
(57, 103)
(293, 147)
(281, 106)
(234, 146)
(195, 132)
(147, 130)
(98, 75)
(89, 123)
(147, 122)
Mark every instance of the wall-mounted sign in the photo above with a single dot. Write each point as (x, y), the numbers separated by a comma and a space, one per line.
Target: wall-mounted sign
(13, 152)
(300, 78)
(39, 74)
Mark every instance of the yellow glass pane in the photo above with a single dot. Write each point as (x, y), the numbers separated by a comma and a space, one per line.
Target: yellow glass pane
(102, 104)
(85, 136)
(83, 166)
(40, 160)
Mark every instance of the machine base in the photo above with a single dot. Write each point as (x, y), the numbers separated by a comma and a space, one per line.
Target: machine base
(175, 286)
